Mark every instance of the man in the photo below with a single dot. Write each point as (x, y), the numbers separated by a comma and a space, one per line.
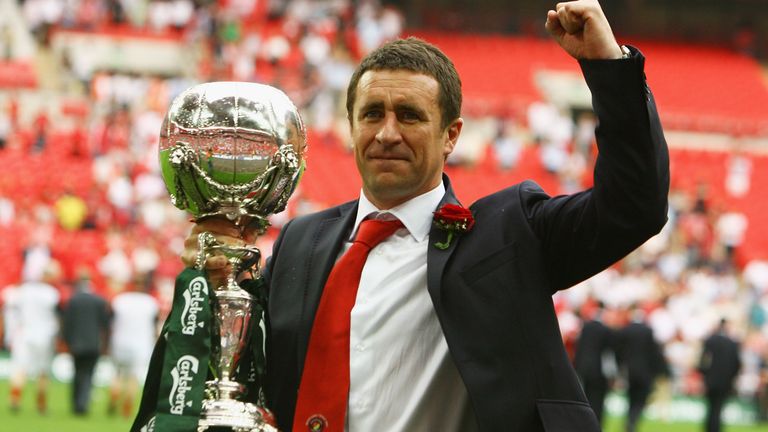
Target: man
(641, 358)
(35, 305)
(593, 359)
(134, 330)
(453, 328)
(719, 364)
(85, 325)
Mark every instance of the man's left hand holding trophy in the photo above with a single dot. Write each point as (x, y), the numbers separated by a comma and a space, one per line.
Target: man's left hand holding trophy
(231, 154)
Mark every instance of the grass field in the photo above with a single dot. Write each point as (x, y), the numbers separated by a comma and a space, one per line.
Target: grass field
(59, 418)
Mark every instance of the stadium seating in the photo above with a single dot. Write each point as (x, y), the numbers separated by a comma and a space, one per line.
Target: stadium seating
(696, 87)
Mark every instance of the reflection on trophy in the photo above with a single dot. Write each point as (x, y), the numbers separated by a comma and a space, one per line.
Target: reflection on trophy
(236, 150)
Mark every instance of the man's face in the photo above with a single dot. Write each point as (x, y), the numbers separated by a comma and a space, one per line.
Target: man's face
(400, 146)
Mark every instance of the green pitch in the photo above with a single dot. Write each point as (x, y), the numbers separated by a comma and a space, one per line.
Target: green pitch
(60, 419)
(617, 425)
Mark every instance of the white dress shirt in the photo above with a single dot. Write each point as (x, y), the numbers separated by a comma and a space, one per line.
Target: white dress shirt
(402, 377)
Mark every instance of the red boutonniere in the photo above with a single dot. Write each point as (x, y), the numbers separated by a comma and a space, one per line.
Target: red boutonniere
(453, 219)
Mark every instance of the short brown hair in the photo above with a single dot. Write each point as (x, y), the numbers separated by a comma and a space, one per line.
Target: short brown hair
(419, 56)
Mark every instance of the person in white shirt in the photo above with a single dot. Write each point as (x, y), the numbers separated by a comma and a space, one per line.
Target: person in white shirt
(34, 305)
(133, 334)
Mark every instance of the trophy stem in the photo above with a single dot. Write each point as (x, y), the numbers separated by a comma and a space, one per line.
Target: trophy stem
(232, 309)
(232, 314)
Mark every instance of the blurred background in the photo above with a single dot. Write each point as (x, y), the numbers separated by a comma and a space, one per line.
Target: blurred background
(84, 85)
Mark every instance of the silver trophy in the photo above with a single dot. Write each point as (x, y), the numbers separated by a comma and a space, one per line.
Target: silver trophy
(235, 150)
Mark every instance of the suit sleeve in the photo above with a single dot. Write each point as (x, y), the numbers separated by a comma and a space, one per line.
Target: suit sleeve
(583, 233)
(266, 272)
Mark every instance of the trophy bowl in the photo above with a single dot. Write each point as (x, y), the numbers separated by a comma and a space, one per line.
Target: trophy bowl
(234, 150)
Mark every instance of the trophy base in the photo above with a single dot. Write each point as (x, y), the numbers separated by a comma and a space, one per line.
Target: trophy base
(230, 414)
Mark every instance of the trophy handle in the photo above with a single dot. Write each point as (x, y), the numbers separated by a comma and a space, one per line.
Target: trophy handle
(204, 242)
(241, 258)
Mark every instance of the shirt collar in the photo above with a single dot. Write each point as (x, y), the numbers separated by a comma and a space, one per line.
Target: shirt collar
(415, 214)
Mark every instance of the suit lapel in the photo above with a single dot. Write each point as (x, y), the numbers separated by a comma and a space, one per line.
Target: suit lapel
(326, 245)
(438, 258)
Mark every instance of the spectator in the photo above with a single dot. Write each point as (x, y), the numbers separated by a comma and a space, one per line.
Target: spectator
(71, 211)
(116, 265)
(5, 129)
(41, 129)
(37, 256)
(731, 227)
(7, 211)
(739, 173)
(508, 143)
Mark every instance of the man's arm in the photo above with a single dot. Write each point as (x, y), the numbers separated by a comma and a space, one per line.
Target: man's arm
(588, 231)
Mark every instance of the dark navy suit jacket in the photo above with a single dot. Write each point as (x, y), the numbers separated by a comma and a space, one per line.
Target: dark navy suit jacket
(720, 363)
(491, 289)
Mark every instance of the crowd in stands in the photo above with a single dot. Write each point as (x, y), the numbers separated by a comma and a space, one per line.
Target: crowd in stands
(81, 192)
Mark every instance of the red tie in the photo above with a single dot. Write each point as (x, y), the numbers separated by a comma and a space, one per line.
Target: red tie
(322, 398)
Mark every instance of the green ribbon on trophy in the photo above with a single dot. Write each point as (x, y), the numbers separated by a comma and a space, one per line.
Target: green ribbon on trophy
(174, 390)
